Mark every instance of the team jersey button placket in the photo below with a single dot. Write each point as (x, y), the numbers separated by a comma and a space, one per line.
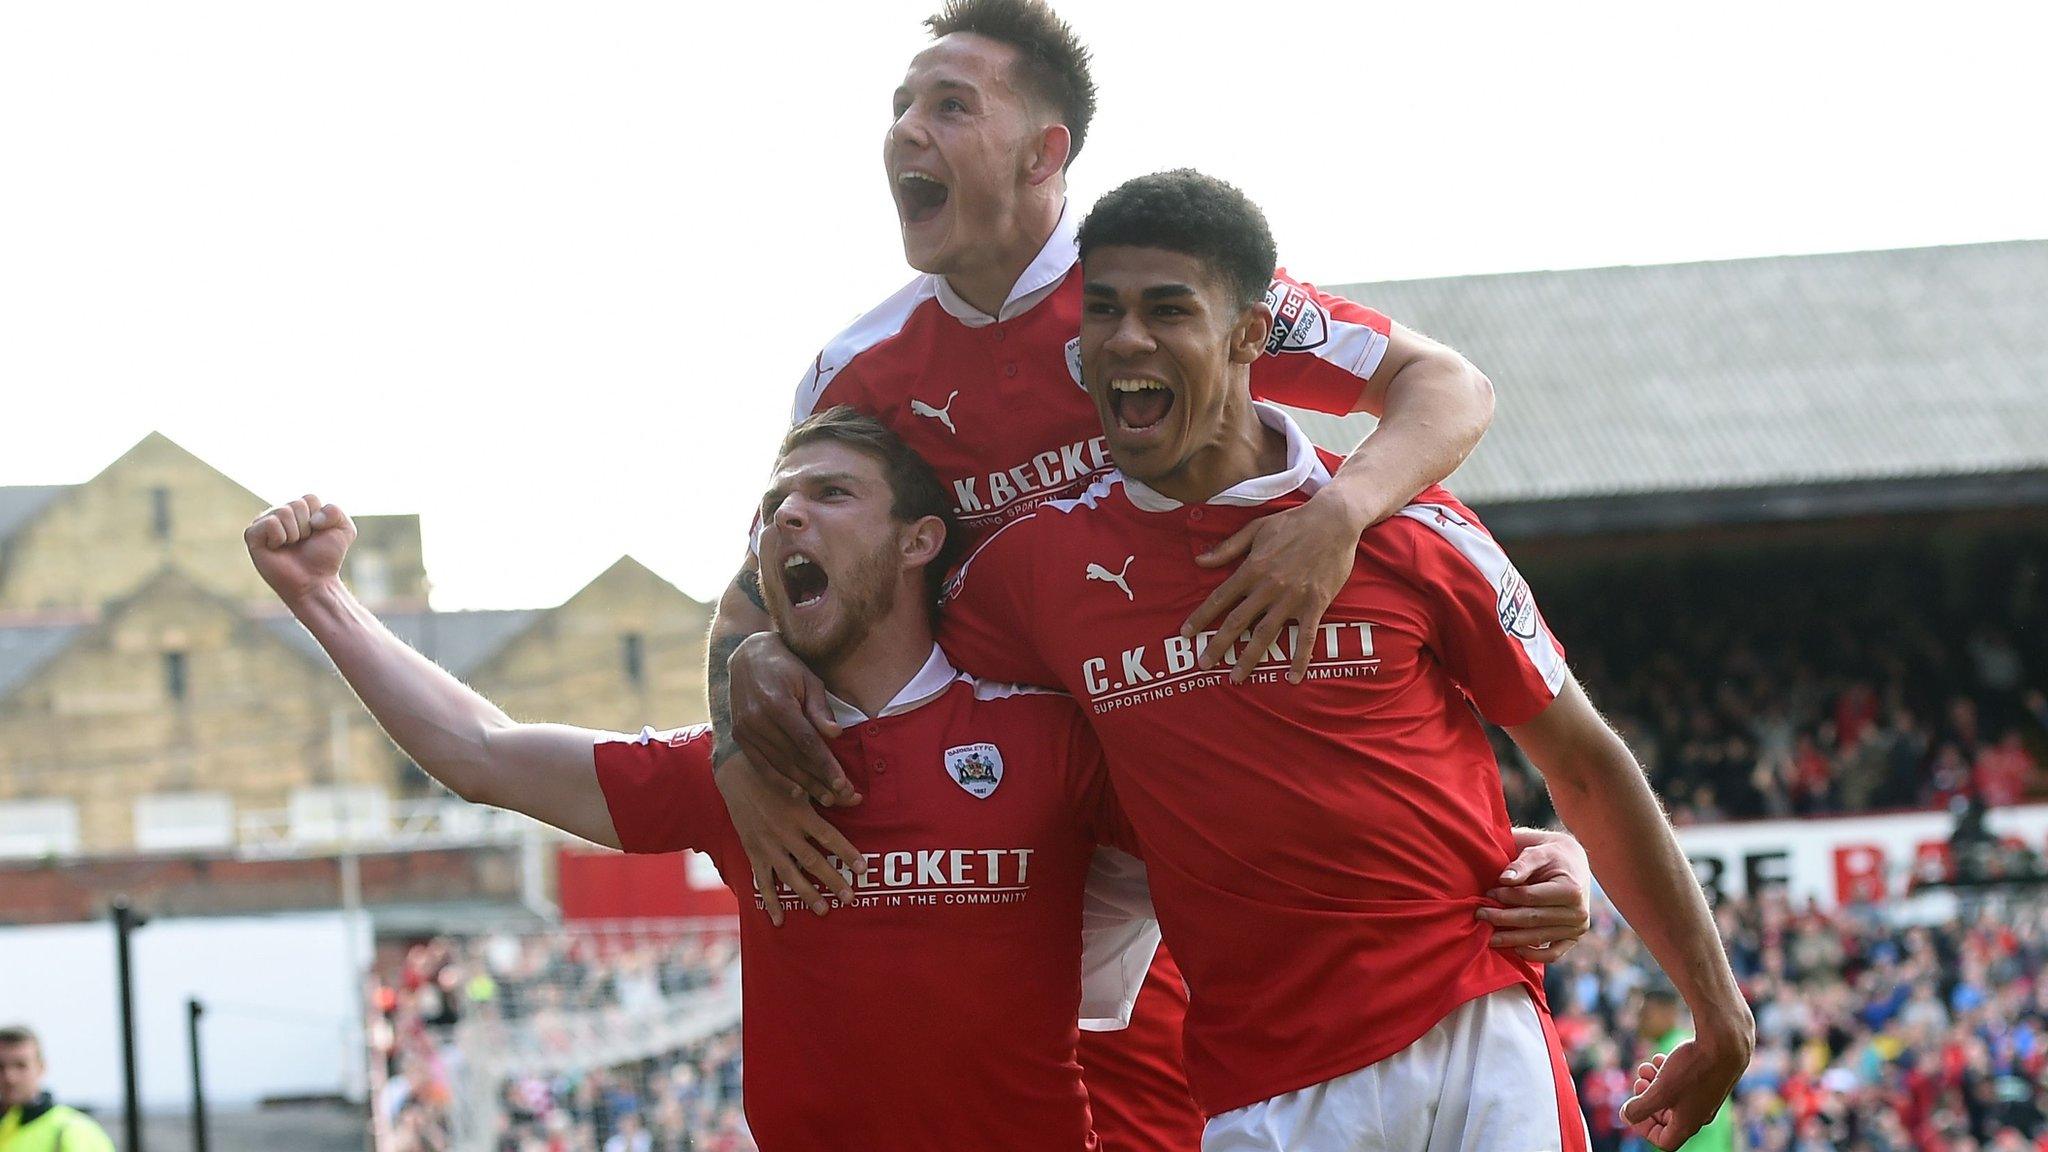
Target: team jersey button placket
(1204, 529)
(877, 751)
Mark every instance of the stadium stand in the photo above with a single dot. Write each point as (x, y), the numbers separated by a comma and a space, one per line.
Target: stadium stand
(1790, 514)
(1909, 1029)
(1873, 1036)
(1772, 694)
(620, 1038)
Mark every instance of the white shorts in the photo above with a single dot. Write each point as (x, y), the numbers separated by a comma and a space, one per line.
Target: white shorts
(1488, 1078)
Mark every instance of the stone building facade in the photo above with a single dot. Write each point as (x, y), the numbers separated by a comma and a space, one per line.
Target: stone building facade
(155, 698)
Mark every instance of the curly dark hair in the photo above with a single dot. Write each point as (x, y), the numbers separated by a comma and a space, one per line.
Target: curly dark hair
(1052, 63)
(915, 491)
(1184, 211)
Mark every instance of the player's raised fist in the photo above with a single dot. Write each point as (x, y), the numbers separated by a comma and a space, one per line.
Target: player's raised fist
(298, 547)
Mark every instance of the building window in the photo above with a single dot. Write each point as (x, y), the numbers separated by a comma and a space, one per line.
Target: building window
(160, 512)
(632, 653)
(174, 676)
(184, 821)
(31, 829)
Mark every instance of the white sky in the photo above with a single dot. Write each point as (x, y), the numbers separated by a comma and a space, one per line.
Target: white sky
(548, 274)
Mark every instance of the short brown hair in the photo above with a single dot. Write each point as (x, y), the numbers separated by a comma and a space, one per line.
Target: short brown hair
(915, 491)
(14, 1034)
(1052, 64)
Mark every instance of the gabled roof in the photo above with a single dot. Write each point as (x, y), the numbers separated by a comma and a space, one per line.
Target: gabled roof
(1743, 374)
(25, 649)
(20, 504)
(459, 641)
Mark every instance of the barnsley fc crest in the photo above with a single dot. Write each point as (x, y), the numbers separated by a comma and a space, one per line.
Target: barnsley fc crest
(978, 768)
(1074, 361)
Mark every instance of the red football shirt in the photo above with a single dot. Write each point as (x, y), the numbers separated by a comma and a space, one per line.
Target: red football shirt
(1316, 851)
(995, 405)
(957, 968)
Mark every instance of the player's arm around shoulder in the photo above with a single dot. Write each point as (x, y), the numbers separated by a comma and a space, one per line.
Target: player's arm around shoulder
(546, 771)
(1433, 406)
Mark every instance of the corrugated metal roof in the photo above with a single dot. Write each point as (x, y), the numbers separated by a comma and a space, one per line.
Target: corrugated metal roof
(20, 503)
(1743, 373)
(458, 641)
(25, 649)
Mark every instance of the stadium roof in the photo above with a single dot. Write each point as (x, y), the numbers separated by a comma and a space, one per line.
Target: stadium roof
(1785, 377)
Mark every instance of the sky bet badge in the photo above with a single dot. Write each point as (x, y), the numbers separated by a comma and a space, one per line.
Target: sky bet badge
(976, 767)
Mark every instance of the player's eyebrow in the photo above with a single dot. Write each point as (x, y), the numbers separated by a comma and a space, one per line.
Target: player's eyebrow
(780, 490)
(1155, 292)
(902, 94)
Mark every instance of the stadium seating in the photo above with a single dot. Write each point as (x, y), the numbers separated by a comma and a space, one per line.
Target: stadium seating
(1754, 687)
(1875, 1035)
(1871, 1036)
(609, 1040)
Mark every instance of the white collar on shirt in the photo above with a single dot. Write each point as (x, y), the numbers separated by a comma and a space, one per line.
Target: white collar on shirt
(934, 678)
(1040, 277)
(1304, 470)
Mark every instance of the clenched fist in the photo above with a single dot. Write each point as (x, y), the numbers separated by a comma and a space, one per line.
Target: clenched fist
(298, 547)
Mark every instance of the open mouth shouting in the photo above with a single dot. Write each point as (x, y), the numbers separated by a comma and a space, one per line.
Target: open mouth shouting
(803, 581)
(920, 196)
(1139, 405)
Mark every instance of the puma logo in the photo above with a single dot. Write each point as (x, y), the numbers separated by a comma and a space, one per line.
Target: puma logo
(1098, 572)
(942, 415)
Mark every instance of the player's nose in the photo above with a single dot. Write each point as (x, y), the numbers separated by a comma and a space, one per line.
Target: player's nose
(907, 131)
(1130, 337)
(789, 515)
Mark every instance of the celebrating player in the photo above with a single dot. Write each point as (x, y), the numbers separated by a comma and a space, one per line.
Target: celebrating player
(959, 955)
(1317, 844)
(975, 364)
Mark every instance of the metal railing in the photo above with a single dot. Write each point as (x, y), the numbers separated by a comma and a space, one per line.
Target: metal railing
(382, 826)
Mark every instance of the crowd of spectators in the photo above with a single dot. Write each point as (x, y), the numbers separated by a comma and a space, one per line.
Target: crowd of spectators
(1813, 683)
(542, 998)
(1872, 1036)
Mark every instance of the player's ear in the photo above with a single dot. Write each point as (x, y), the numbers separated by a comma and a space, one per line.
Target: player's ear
(923, 540)
(1049, 159)
(1254, 328)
